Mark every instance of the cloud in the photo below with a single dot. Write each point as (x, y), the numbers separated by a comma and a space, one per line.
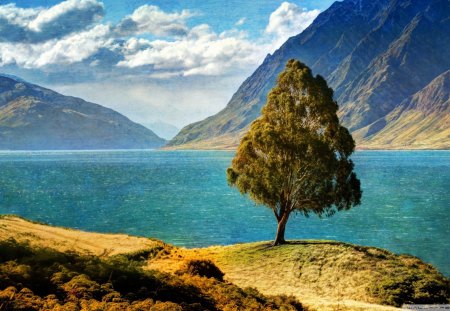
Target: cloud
(71, 49)
(151, 19)
(70, 37)
(200, 52)
(289, 20)
(182, 51)
(67, 17)
(240, 22)
(39, 24)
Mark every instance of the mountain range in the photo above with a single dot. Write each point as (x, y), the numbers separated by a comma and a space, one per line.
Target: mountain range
(387, 61)
(33, 117)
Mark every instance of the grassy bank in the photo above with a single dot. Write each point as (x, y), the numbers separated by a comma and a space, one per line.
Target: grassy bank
(88, 269)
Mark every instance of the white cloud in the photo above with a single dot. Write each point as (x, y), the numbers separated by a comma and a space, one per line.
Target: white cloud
(72, 48)
(76, 47)
(200, 52)
(289, 20)
(17, 16)
(70, 32)
(67, 15)
(151, 19)
(240, 22)
(39, 24)
(182, 51)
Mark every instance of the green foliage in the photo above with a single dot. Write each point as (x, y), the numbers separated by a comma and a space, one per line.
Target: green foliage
(44, 279)
(295, 157)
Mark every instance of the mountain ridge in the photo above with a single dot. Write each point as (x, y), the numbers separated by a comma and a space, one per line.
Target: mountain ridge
(33, 117)
(422, 121)
(374, 55)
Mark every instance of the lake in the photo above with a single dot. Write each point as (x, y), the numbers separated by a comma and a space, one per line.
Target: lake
(183, 198)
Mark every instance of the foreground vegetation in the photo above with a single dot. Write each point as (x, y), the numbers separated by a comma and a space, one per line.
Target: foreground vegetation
(51, 268)
(44, 279)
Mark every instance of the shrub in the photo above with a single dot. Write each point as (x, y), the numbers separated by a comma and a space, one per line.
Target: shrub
(412, 289)
(205, 268)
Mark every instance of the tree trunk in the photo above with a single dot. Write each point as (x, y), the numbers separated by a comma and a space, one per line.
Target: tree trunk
(279, 239)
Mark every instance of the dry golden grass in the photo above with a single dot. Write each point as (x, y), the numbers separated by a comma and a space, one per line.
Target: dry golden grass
(412, 130)
(306, 270)
(64, 240)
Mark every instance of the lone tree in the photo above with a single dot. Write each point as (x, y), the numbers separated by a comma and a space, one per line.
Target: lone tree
(295, 157)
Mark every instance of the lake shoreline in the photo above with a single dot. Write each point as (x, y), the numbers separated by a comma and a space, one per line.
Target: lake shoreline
(183, 198)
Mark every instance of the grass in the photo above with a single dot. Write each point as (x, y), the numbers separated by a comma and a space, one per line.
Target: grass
(69, 240)
(322, 275)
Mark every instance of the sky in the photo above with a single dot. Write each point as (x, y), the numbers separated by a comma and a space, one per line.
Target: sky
(172, 61)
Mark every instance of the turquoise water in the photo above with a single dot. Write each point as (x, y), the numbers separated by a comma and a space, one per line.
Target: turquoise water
(182, 197)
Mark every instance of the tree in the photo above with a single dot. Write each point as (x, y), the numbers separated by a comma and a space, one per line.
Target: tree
(295, 156)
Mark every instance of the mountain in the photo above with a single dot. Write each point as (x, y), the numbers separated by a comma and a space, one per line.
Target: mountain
(163, 129)
(376, 55)
(421, 121)
(33, 117)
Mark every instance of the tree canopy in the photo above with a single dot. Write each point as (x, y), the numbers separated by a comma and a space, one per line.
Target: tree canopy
(295, 156)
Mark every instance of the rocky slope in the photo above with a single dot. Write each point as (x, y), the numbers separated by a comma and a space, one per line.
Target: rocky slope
(376, 55)
(33, 117)
(421, 121)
